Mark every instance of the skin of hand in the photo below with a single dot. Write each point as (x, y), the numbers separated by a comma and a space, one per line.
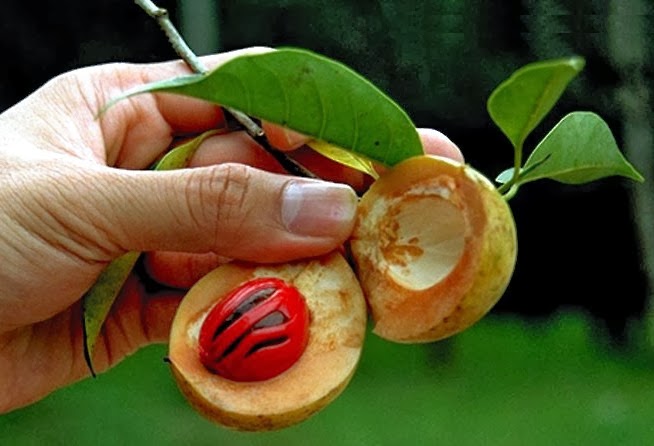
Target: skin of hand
(75, 193)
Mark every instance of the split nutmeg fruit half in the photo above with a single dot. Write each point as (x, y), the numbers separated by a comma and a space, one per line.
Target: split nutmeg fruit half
(434, 247)
(259, 324)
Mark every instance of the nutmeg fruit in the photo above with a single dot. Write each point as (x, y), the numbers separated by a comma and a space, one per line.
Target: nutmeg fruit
(434, 246)
(337, 324)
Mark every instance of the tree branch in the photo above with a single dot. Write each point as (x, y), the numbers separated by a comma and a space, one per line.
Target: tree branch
(174, 37)
(184, 51)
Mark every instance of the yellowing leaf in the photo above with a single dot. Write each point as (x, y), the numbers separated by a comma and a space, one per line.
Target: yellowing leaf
(345, 157)
(97, 301)
(179, 157)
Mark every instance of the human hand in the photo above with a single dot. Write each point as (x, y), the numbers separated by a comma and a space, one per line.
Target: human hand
(74, 195)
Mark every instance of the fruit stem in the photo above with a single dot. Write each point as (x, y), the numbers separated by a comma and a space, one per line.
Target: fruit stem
(511, 192)
(510, 188)
(193, 61)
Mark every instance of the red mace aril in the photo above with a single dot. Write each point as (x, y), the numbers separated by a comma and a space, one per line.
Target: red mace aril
(256, 332)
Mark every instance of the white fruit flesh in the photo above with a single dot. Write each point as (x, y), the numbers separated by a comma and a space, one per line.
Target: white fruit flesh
(426, 239)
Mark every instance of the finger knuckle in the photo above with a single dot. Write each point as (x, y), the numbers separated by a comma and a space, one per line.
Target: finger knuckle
(224, 200)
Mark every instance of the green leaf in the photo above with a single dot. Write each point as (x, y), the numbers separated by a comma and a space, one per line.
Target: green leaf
(579, 149)
(179, 157)
(506, 176)
(308, 93)
(98, 300)
(518, 104)
(344, 157)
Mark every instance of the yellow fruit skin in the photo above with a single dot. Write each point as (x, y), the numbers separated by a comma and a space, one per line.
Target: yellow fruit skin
(253, 422)
(338, 323)
(480, 276)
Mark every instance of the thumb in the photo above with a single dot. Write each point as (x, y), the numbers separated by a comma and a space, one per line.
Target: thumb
(231, 209)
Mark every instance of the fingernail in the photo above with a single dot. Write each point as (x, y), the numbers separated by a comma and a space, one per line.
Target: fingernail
(318, 208)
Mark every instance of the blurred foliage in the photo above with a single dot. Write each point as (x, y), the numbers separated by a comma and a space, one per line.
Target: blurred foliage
(40, 41)
(501, 383)
(420, 52)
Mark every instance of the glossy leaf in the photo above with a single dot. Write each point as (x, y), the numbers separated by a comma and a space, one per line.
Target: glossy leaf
(98, 300)
(579, 149)
(521, 102)
(344, 157)
(308, 93)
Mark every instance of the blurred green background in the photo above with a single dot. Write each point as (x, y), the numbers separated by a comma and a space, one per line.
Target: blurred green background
(504, 382)
(565, 358)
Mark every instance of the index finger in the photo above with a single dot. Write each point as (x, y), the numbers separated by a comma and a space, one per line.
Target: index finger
(136, 131)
